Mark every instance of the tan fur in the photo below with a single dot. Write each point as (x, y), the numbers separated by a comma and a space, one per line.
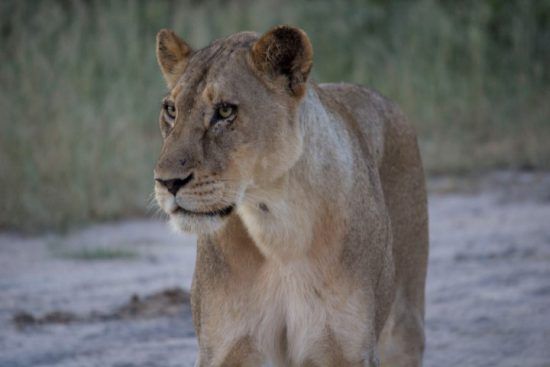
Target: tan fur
(322, 260)
(172, 53)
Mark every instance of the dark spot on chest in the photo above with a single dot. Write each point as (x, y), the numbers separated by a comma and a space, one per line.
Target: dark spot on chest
(264, 207)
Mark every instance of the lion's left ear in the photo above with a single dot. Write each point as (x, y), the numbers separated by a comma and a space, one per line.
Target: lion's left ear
(285, 53)
(172, 55)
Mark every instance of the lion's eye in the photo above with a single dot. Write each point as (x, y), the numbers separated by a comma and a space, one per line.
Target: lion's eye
(169, 110)
(225, 111)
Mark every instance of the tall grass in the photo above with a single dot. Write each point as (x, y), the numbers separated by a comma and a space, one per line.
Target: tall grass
(80, 89)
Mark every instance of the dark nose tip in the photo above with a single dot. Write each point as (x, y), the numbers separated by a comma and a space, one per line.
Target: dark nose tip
(174, 184)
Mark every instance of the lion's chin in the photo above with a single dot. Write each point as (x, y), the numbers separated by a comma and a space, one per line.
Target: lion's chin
(196, 224)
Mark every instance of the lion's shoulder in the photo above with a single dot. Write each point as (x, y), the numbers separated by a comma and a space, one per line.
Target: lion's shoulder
(379, 120)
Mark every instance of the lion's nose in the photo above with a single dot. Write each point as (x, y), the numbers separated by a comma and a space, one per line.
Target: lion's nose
(173, 185)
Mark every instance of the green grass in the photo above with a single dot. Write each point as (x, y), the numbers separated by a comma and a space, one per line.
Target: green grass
(80, 89)
(100, 253)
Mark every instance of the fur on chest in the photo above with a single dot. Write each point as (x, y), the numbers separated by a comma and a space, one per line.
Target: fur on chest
(294, 314)
(281, 229)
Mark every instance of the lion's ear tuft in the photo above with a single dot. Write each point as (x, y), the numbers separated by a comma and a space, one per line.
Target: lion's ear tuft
(285, 51)
(172, 55)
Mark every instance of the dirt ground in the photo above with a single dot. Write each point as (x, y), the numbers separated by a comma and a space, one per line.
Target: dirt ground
(115, 294)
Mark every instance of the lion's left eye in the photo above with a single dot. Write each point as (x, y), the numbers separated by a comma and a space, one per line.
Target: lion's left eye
(225, 111)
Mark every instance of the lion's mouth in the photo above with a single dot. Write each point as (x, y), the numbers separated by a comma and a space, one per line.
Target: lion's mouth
(211, 213)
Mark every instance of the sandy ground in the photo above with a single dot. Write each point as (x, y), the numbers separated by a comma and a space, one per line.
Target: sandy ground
(114, 295)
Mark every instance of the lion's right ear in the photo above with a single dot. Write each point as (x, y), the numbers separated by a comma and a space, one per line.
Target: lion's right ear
(172, 55)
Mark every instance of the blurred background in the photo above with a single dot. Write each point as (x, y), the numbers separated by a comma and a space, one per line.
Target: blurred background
(80, 88)
(88, 278)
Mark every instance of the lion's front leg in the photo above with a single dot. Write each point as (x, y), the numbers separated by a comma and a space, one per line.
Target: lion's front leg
(223, 342)
(241, 353)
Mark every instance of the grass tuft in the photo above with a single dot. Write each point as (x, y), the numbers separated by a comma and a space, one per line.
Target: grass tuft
(100, 253)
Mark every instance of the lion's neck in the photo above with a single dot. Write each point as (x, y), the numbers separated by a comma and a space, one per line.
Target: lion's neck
(293, 214)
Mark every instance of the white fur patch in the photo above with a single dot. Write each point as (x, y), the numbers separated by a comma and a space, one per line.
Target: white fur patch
(322, 129)
(292, 313)
(289, 309)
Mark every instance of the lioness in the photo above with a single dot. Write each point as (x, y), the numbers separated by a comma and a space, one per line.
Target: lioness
(309, 203)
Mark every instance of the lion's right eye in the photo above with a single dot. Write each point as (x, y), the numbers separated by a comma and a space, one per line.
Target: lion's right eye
(169, 111)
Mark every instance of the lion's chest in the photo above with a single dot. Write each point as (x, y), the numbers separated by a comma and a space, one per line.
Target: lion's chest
(290, 316)
(292, 312)
(295, 304)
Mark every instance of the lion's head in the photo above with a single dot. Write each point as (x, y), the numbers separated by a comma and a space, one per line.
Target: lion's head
(229, 121)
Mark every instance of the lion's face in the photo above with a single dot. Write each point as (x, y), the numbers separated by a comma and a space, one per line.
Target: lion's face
(228, 123)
